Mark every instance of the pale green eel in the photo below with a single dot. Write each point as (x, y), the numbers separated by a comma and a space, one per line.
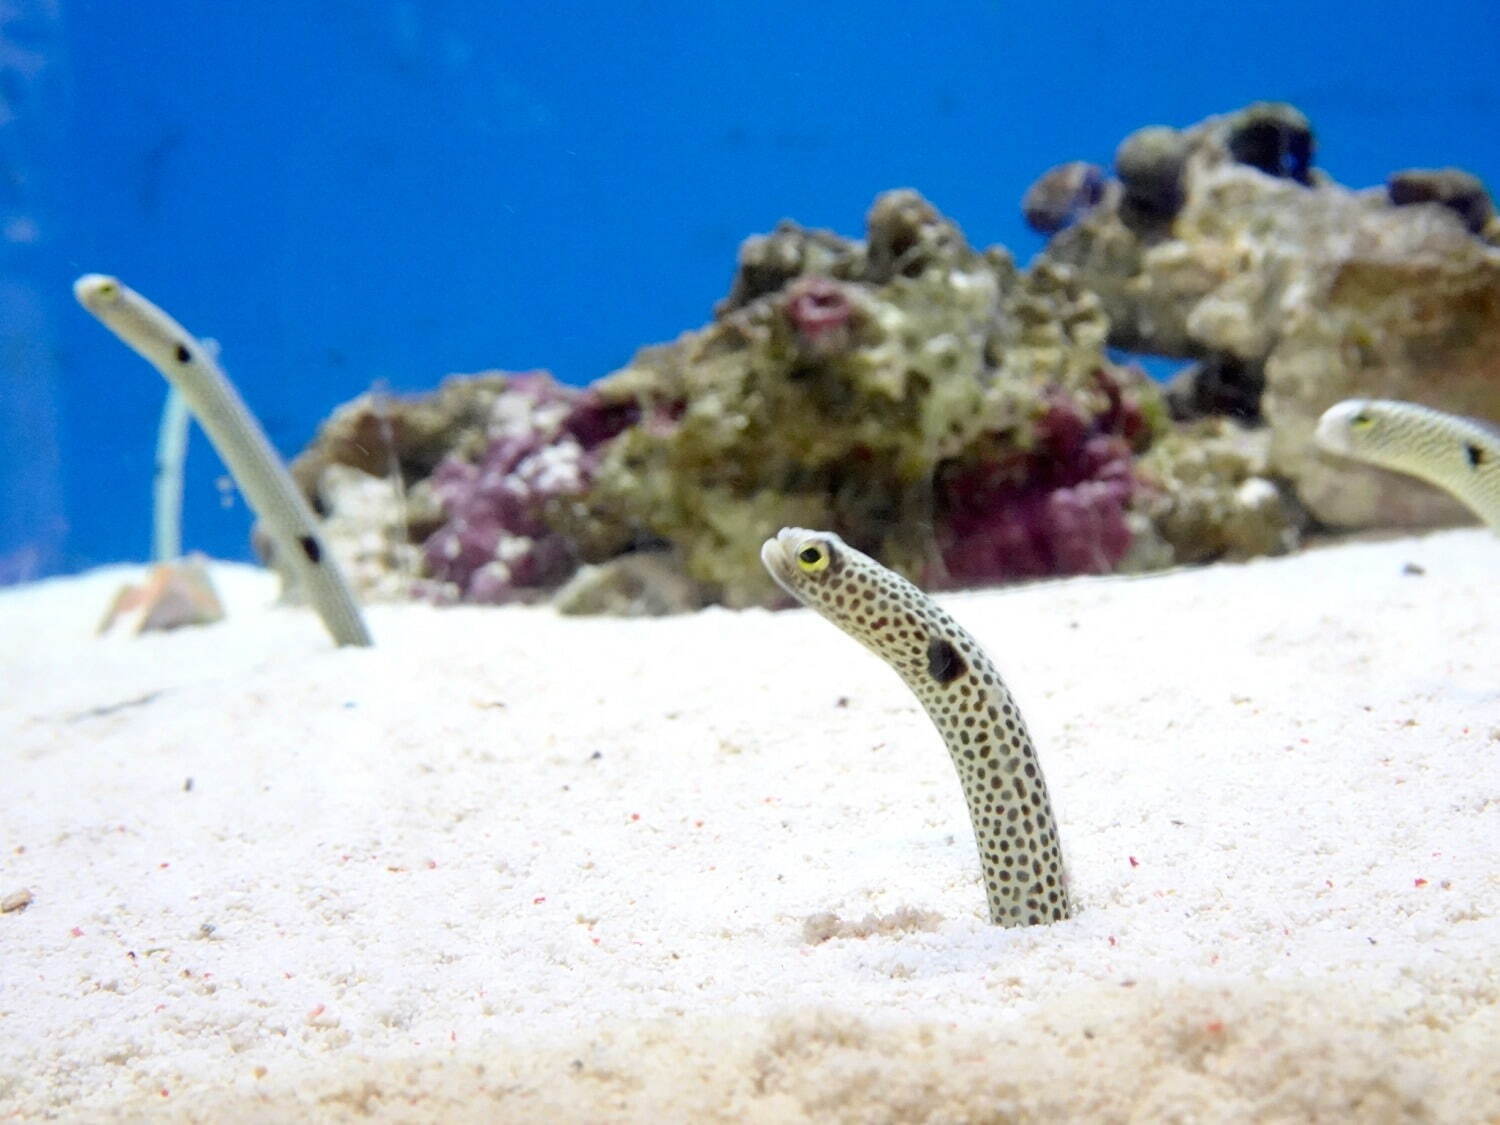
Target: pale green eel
(1460, 455)
(967, 701)
(239, 440)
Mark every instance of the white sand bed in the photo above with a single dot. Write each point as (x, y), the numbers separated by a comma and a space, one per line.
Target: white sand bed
(511, 866)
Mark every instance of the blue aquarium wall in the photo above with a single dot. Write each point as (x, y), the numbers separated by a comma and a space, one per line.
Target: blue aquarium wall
(346, 194)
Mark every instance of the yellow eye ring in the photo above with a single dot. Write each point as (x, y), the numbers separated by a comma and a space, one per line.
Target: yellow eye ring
(1361, 422)
(813, 558)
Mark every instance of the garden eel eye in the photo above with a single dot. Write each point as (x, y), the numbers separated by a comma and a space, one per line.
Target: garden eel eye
(813, 558)
(1361, 421)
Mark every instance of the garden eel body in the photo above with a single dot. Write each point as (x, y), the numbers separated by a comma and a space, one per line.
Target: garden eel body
(967, 701)
(1460, 455)
(189, 367)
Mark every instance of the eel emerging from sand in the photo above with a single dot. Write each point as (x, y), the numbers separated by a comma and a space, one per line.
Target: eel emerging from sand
(1460, 455)
(967, 701)
(189, 366)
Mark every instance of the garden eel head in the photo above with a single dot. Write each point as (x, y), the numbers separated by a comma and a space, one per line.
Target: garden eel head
(874, 605)
(805, 562)
(1351, 426)
(96, 291)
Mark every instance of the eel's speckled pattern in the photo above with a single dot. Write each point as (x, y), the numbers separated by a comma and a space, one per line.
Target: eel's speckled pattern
(1461, 455)
(964, 695)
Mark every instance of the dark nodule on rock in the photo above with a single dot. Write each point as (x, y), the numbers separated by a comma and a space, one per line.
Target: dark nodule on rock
(1275, 138)
(1151, 163)
(1062, 195)
(1461, 192)
(906, 235)
(1218, 385)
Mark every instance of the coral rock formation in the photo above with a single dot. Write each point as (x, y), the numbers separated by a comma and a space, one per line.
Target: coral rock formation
(942, 410)
(453, 495)
(1294, 292)
(958, 418)
(1062, 195)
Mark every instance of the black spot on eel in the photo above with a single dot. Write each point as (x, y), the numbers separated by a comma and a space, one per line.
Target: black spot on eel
(967, 702)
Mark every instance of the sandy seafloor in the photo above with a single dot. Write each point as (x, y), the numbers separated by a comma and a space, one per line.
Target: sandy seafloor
(508, 866)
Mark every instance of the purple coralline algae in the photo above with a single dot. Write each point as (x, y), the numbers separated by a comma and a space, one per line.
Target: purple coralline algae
(496, 543)
(1060, 507)
(452, 495)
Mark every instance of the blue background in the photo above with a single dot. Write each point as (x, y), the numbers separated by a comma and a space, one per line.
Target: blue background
(346, 193)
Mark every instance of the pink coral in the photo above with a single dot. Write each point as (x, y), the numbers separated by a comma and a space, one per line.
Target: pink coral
(495, 544)
(821, 315)
(1058, 508)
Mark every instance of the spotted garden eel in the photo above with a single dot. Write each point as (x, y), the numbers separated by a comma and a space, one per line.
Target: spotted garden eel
(189, 366)
(967, 701)
(1460, 455)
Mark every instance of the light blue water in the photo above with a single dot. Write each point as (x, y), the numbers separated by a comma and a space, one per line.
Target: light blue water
(344, 193)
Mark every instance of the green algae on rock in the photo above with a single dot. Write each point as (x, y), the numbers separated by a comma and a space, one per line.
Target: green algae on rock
(1210, 495)
(847, 397)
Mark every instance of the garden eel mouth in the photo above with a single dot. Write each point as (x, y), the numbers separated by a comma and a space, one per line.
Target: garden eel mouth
(779, 563)
(1460, 455)
(967, 701)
